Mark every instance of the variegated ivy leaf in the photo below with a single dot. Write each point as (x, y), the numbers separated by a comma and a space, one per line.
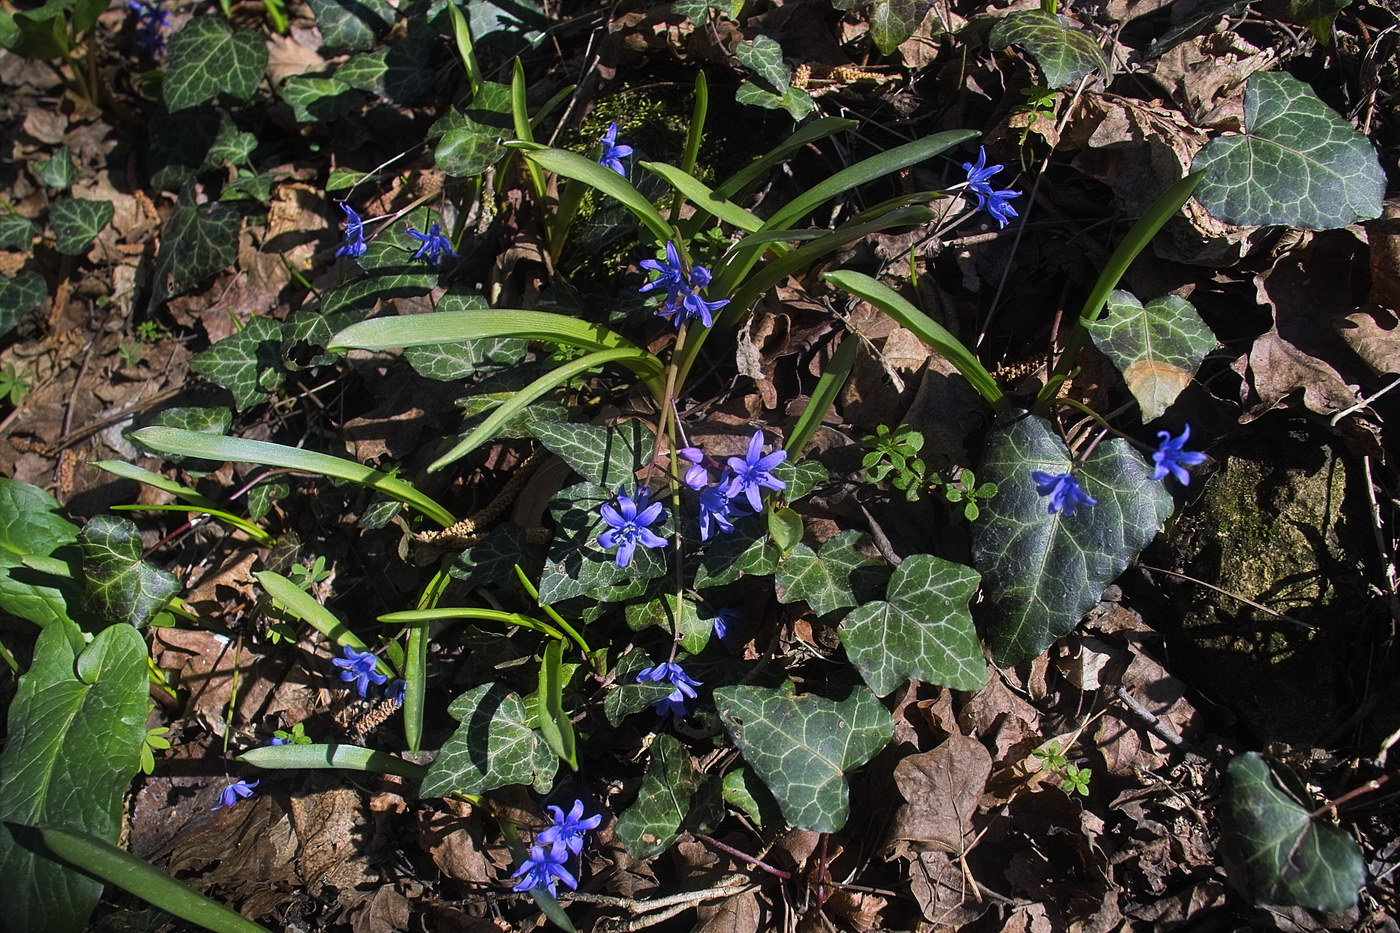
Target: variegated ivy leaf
(449, 362)
(196, 241)
(828, 580)
(607, 456)
(693, 625)
(352, 25)
(801, 477)
(494, 746)
(746, 549)
(248, 363)
(363, 294)
(653, 822)
(627, 696)
(1297, 163)
(207, 58)
(402, 73)
(577, 564)
(121, 587)
(492, 562)
(795, 100)
(1061, 48)
(923, 630)
(1042, 572)
(315, 99)
(764, 58)
(76, 223)
(893, 21)
(19, 294)
(804, 746)
(468, 141)
(1157, 348)
(17, 232)
(60, 171)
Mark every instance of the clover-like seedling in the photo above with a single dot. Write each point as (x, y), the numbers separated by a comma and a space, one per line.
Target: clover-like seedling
(966, 491)
(894, 455)
(155, 738)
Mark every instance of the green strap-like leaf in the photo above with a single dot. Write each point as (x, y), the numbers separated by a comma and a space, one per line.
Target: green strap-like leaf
(333, 757)
(1297, 163)
(803, 746)
(494, 746)
(1062, 49)
(1157, 348)
(207, 58)
(573, 165)
(1042, 572)
(699, 194)
(121, 586)
(923, 630)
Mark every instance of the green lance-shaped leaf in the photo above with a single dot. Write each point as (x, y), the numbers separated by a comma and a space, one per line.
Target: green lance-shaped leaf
(115, 866)
(331, 757)
(20, 294)
(804, 746)
(1284, 853)
(923, 630)
(31, 526)
(704, 199)
(653, 822)
(304, 606)
(352, 25)
(1157, 348)
(1062, 49)
(1297, 163)
(494, 746)
(893, 21)
(76, 223)
(196, 241)
(76, 727)
(828, 579)
(572, 165)
(17, 231)
(207, 58)
(1043, 572)
(554, 722)
(764, 58)
(248, 363)
(121, 587)
(808, 133)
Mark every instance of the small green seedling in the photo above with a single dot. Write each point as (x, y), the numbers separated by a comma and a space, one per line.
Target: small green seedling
(894, 455)
(1076, 779)
(14, 388)
(966, 491)
(155, 739)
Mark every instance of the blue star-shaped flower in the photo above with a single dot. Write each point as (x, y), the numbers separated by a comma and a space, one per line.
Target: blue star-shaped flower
(1063, 490)
(354, 244)
(692, 306)
(543, 868)
(568, 829)
(628, 525)
(1171, 458)
(672, 275)
(360, 668)
(150, 20)
(396, 690)
(434, 244)
(233, 792)
(751, 472)
(979, 183)
(613, 154)
(714, 512)
(726, 618)
(685, 686)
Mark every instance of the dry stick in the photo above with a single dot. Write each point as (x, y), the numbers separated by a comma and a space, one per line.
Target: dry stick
(1387, 563)
(742, 856)
(1154, 722)
(1247, 602)
(734, 884)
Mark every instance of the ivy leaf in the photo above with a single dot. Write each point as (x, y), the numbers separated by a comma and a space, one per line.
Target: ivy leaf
(248, 363)
(1197, 21)
(628, 696)
(764, 58)
(317, 99)
(747, 549)
(76, 223)
(362, 295)
(923, 630)
(197, 241)
(1298, 163)
(121, 586)
(17, 232)
(606, 456)
(60, 171)
(1288, 856)
(351, 25)
(1064, 52)
(653, 823)
(449, 362)
(402, 73)
(231, 144)
(1157, 348)
(19, 294)
(893, 21)
(796, 101)
(180, 144)
(576, 564)
(803, 746)
(469, 141)
(494, 746)
(801, 478)
(1041, 573)
(663, 613)
(76, 727)
(492, 562)
(1317, 15)
(31, 526)
(207, 58)
(825, 581)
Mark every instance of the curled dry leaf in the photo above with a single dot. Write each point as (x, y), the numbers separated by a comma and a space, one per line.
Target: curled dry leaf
(941, 790)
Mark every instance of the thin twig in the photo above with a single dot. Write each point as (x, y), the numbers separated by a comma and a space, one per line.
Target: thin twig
(1248, 602)
(742, 856)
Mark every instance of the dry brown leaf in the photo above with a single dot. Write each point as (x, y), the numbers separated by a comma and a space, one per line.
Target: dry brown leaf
(1208, 71)
(945, 893)
(1000, 719)
(455, 842)
(1383, 234)
(738, 913)
(1374, 334)
(287, 57)
(386, 911)
(941, 790)
(207, 664)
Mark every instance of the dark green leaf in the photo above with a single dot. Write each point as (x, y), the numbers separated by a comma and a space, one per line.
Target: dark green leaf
(1042, 572)
(351, 25)
(449, 362)
(803, 746)
(248, 363)
(494, 746)
(627, 696)
(60, 171)
(76, 223)
(252, 187)
(198, 241)
(1157, 348)
(121, 586)
(215, 420)
(801, 478)
(893, 21)
(263, 496)
(38, 33)
(181, 144)
(492, 562)
(697, 11)
(607, 456)
(31, 526)
(1287, 855)
(827, 582)
(923, 631)
(207, 58)
(231, 145)
(19, 294)
(693, 625)
(1193, 23)
(652, 824)
(361, 296)
(318, 99)
(76, 727)
(1317, 15)
(764, 58)
(402, 73)
(464, 146)
(1062, 49)
(16, 232)
(796, 101)
(746, 549)
(1298, 163)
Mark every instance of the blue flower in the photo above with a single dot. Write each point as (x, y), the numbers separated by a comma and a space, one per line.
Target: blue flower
(628, 525)
(1170, 458)
(751, 472)
(697, 477)
(150, 20)
(360, 668)
(675, 702)
(724, 618)
(396, 690)
(543, 868)
(691, 306)
(354, 244)
(672, 275)
(278, 740)
(232, 792)
(613, 154)
(714, 512)
(434, 244)
(568, 829)
(1063, 490)
(979, 183)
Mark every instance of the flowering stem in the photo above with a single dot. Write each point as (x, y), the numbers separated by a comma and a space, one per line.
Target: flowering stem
(669, 420)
